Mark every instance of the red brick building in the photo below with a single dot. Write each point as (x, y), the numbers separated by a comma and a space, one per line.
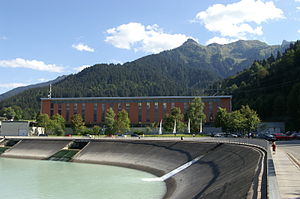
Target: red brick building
(141, 110)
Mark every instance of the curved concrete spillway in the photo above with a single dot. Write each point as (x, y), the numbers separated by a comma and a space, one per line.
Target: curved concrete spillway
(220, 170)
(224, 171)
(35, 148)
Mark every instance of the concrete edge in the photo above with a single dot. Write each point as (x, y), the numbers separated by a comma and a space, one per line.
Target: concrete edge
(11, 148)
(272, 184)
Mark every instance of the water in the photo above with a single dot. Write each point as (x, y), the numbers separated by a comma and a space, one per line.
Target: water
(34, 179)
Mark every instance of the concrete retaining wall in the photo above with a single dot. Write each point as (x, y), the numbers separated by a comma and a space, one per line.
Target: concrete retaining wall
(35, 149)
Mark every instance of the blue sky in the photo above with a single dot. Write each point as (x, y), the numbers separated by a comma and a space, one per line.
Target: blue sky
(43, 39)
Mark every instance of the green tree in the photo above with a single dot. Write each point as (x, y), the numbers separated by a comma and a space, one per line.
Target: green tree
(222, 119)
(122, 124)
(58, 124)
(235, 122)
(294, 106)
(169, 120)
(250, 119)
(77, 124)
(18, 111)
(43, 120)
(96, 130)
(244, 120)
(8, 113)
(110, 121)
(195, 114)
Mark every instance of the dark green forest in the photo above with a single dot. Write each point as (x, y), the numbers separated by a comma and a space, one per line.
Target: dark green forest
(270, 86)
(187, 70)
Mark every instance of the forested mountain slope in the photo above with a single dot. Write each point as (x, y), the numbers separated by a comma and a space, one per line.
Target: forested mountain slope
(186, 70)
(18, 90)
(270, 86)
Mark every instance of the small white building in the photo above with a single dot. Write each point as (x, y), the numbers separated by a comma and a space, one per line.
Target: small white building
(19, 128)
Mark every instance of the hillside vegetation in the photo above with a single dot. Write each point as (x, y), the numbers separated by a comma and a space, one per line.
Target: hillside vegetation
(271, 87)
(187, 70)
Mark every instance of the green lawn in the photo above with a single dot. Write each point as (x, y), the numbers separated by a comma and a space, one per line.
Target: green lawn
(177, 135)
(64, 155)
(2, 149)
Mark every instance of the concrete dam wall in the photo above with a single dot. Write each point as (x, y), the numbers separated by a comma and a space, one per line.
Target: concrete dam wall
(221, 170)
(35, 149)
(224, 171)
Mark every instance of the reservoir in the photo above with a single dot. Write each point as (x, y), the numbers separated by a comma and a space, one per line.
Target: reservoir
(36, 179)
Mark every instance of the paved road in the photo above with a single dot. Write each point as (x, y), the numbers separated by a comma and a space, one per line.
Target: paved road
(287, 168)
(292, 147)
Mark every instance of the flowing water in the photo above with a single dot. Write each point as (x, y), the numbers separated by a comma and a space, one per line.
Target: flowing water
(35, 179)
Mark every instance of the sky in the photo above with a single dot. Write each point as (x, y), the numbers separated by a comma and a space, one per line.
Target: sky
(43, 39)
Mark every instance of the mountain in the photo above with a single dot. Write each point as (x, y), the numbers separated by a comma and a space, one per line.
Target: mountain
(225, 60)
(186, 70)
(271, 87)
(18, 90)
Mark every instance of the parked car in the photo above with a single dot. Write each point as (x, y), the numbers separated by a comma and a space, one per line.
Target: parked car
(217, 135)
(281, 136)
(268, 137)
(295, 136)
(134, 135)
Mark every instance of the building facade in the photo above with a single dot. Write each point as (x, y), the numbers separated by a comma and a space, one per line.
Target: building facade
(141, 110)
(20, 128)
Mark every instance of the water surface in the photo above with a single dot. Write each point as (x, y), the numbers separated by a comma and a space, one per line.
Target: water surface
(35, 179)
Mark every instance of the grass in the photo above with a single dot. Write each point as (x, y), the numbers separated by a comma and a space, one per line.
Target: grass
(2, 149)
(64, 155)
(177, 135)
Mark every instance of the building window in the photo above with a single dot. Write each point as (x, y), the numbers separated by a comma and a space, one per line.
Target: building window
(185, 107)
(67, 112)
(75, 109)
(140, 112)
(164, 108)
(156, 111)
(148, 112)
(210, 106)
(119, 107)
(210, 109)
(59, 109)
(127, 107)
(51, 109)
(83, 112)
(103, 112)
(172, 105)
(95, 112)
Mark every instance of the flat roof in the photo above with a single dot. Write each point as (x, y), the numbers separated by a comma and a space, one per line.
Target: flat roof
(138, 98)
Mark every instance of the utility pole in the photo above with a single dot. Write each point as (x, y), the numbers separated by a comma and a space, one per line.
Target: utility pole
(50, 91)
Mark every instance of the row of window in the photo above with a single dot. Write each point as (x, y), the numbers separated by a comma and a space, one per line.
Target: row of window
(124, 101)
(120, 107)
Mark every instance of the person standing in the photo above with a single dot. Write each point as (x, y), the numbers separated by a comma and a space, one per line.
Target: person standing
(274, 146)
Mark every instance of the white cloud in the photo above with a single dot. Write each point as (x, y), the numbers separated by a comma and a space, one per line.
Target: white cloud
(82, 47)
(150, 39)
(297, 0)
(80, 68)
(298, 8)
(298, 31)
(240, 19)
(43, 80)
(12, 85)
(220, 40)
(31, 64)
